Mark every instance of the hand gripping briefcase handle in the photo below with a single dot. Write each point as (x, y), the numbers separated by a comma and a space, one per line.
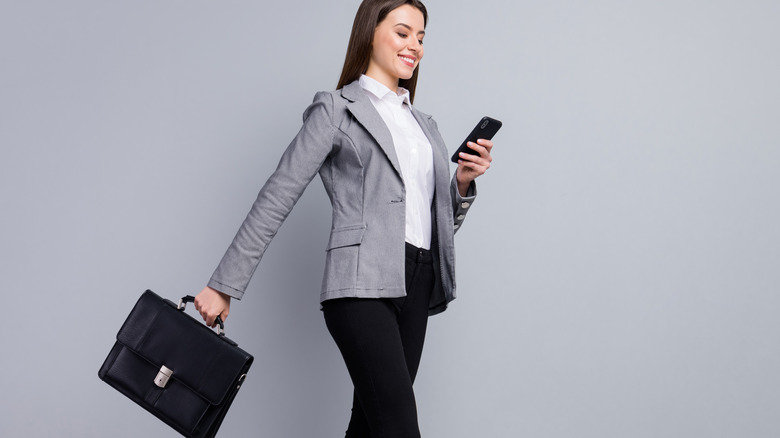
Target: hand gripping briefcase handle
(190, 299)
(176, 367)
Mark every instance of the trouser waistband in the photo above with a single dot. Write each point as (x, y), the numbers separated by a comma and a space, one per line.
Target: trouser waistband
(419, 255)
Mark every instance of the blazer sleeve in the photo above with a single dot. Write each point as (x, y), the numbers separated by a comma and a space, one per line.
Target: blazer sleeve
(299, 164)
(461, 204)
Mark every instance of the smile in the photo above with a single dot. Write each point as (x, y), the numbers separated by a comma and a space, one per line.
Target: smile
(406, 60)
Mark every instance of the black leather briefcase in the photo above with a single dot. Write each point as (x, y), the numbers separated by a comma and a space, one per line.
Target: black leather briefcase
(175, 367)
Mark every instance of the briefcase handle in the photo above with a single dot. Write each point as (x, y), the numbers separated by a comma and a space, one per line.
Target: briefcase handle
(190, 299)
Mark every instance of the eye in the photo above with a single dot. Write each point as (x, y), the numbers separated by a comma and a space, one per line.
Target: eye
(420, 41)
(402, 35)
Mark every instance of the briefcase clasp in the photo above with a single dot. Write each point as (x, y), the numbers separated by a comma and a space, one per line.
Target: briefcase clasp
(163, 375)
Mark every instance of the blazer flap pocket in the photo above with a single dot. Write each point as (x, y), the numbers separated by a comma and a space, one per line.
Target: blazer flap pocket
(346, 236)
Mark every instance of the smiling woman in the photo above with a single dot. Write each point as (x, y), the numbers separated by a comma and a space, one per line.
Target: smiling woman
(375, 29)
(390, 258)
(397, 47)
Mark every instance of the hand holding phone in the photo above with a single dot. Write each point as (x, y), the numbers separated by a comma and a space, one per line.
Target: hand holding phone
(486, 128)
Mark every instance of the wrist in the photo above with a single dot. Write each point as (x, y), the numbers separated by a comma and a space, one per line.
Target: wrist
(463, 186)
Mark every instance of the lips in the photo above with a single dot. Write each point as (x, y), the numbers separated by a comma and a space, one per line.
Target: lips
(408, 60)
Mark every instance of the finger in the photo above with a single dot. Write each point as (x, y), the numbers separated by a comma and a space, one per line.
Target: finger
(471, 156)
(204, 314)
(470, 166)
(476, 146)
(488, 146)
(483, 151)
(200, 310)
(486, 143)
(483, 161)
(476, 166)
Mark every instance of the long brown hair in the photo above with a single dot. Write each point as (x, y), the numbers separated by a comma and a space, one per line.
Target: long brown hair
(369, 15)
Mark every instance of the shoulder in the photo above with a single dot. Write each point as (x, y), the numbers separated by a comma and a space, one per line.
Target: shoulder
(334, 103)
(335, 100)
(326, 98)
(322, 106)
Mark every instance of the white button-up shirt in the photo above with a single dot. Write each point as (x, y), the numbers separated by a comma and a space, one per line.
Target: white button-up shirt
(415, 157)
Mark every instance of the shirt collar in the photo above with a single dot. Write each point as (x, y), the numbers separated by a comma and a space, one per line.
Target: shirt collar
(380, 91)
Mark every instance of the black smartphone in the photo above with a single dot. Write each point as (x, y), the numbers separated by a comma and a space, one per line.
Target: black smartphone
(486, 128)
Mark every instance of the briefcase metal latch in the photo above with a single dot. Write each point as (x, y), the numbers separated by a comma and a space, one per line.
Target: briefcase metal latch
(162, 377)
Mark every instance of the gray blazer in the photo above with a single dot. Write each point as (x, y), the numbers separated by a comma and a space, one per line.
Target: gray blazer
(345, 139)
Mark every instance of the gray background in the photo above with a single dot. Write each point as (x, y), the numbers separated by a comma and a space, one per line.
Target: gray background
(618, 276)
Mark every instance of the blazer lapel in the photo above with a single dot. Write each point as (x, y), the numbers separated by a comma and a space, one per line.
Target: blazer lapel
(441, 171)
(365, 113)
(424, 120)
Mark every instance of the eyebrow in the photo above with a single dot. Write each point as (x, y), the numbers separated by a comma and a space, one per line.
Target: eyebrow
(410, 28)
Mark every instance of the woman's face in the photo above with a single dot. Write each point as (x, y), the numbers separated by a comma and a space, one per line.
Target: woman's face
(397, 47)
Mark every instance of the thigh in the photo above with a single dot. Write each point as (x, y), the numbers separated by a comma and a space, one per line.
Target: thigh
(413, 313)
(368, 336)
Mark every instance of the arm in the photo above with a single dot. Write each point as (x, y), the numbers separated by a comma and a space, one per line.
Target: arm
(297, 167)
(472, 166)
(464, 188)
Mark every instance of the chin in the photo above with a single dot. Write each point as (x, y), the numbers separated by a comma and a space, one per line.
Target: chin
(406, 75)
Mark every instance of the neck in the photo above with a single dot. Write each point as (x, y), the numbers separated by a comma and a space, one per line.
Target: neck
(384, 79)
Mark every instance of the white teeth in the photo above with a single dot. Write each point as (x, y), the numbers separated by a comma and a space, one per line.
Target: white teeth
(409, 60)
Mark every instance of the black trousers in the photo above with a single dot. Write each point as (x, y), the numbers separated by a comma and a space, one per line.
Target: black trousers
(381, 341)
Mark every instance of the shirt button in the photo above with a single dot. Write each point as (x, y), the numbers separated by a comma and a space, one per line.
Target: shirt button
(461, 217)
(457, 226)
(465, 205)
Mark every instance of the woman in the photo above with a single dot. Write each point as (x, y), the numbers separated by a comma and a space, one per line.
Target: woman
(390, 258)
